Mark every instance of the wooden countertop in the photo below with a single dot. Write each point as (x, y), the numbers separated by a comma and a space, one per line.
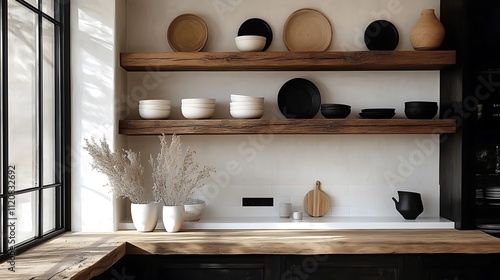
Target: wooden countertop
(84, 255)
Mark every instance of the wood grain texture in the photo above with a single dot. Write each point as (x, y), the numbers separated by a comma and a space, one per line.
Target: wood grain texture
(82, 255)
(316, 202)
(287, 61)
(287, 126)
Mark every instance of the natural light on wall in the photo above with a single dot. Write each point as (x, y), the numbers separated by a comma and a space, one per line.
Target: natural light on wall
(93, 109)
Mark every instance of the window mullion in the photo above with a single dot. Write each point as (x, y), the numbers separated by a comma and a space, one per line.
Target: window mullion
(4, 142)
(40, 119)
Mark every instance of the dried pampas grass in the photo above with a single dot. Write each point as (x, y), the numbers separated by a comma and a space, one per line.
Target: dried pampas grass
(176, 176)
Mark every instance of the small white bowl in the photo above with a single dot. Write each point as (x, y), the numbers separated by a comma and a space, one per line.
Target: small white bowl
(197, 113)
(154, 102)
(154, 114)
(246, 98)
(194, 106)
(193, 209)
(250, 43)
(198, 101)
(247, 107)
(246, 114)
(155, 106)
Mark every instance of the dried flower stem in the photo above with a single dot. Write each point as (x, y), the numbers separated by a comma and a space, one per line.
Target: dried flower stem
(122, 167)
(176, 176)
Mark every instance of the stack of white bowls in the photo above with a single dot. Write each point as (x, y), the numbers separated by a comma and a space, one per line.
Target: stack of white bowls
(154, 109)
(198, 108)
(246, 107)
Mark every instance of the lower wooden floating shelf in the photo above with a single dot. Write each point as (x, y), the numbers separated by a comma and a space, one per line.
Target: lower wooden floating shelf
(287, 126)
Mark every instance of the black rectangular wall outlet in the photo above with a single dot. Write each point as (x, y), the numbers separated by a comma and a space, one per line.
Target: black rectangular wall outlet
(257, 201)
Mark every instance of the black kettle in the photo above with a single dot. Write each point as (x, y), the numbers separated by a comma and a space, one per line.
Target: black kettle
(409, 205)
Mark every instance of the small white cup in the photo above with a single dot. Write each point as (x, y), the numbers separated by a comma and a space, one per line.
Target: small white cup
(297, 215)
(285, 210)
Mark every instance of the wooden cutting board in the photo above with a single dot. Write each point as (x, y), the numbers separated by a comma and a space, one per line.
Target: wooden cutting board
(316, 202)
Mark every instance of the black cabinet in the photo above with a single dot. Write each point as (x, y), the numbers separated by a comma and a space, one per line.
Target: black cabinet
(470, 92)
(344, 267)
(310, 267)
(460, 267)
(194, 267)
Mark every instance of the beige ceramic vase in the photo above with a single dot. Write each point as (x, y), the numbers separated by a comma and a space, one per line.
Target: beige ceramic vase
(428, 33)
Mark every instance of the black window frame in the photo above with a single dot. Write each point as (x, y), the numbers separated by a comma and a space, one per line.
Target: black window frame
(61, 20)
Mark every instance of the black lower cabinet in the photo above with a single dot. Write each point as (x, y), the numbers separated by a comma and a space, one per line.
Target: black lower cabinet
(310, 267)
(461, 267)
(193, 267)
(344, 267)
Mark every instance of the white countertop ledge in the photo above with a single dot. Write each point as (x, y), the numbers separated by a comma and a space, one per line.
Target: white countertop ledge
(321, 223)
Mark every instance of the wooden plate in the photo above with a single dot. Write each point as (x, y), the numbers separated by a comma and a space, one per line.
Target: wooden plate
(187, 33)
(307, 30)
(316, 202)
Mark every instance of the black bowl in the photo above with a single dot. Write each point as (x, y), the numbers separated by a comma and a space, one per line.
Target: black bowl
(335, 106)
(421, 104)
(421, 113)
(379, 110)
(335, 113)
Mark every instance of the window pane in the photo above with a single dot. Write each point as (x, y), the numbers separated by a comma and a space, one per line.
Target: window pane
(49, 118)
(22, 94)
(26, 209)
(48, 7)
(34, 3)
(49, 209)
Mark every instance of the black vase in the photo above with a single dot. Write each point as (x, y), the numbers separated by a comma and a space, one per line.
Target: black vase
(409, 205)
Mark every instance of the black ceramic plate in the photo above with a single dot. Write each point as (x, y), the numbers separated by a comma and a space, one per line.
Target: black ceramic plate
(257, 26)
(379, 110)
(381, 35)
(376, 115)
(299, 99)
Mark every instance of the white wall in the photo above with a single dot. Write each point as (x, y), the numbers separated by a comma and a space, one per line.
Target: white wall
(96, 84)
(354, 169)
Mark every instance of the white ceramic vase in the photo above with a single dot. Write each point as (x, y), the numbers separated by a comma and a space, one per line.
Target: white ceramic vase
(144, 216)
(173, 217)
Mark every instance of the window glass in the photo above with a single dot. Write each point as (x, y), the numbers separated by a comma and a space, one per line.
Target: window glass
(22, 94)
(49, 209)
(49, 115)
(26, 214)
(48, 7)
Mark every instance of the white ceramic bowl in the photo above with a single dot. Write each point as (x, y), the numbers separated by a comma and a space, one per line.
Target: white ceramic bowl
(250, 43)
(154, 102)
(187, 101)
(247, 107)
(154, 114)
(246, 98)
(155, 106)
(194, 106)
(193, 209)
(197, 113)
(246, 114)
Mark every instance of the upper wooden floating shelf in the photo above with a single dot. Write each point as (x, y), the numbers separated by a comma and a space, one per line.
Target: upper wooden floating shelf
(288, 61)
(287, 126)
